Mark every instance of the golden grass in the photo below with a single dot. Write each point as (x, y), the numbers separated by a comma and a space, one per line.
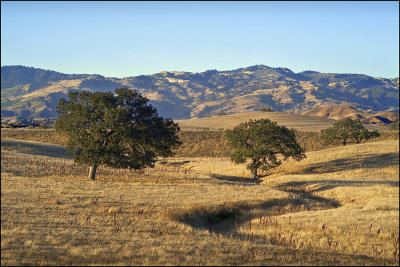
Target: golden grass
(364, 179)
(201, 211)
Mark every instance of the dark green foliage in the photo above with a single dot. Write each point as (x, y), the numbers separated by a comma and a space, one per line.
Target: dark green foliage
(120, 131)
(262, 141)
(346, 131)
(394, 126)
(268, 109)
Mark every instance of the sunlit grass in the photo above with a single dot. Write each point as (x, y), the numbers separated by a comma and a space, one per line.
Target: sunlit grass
(337, 207)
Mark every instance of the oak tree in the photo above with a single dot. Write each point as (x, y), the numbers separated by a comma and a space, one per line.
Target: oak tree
(118, 130)
(263, 144)
(345, 131)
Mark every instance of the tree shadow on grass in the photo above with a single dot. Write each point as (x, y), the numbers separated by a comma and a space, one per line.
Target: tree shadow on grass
(228, 217)
(174, 164)
(34, 148)
(369, 161)
(236, 179)
(322, 185)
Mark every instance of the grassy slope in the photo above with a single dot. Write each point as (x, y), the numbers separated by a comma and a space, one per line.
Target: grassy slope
(296, 121)
(364, 179)
(174, 213)
(204, 143)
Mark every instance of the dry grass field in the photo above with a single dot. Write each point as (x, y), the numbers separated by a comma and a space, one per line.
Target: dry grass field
(339, 206)
(195, 143)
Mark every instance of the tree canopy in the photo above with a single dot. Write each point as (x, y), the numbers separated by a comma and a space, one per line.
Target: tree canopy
(346, 131)
(118, 130)
(394, 126)
(264, 143)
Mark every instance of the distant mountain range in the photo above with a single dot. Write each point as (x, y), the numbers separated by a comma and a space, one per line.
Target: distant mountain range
(31, 93)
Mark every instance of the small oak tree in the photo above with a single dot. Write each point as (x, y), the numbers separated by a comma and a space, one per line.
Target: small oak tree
(262, 142)
(394, 126)
(345, 131)
(118, 130)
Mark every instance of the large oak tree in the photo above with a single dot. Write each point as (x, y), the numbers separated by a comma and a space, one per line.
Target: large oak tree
(118, 130)
(263, 144)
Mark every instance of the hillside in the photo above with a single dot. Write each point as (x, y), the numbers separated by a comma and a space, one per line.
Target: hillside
(342, 112)
(34, 93)
(300, 122)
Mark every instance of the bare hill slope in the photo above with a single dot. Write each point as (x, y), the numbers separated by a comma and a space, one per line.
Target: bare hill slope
(343, 111)
(297, 121)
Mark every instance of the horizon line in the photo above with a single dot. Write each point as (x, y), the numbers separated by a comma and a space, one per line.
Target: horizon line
(172, 71)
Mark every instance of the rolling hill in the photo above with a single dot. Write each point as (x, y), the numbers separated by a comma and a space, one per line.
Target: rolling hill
(30, 93)
(297, 121)
(342, 112)
(300, 122)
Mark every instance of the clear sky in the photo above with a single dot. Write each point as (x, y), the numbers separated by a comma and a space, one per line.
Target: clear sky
(120, 39)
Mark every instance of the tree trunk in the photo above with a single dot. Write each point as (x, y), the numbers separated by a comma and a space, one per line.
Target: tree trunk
(92, 172)
(254, 172)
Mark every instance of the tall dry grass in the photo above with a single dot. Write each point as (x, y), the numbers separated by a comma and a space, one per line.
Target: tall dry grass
(201, 210)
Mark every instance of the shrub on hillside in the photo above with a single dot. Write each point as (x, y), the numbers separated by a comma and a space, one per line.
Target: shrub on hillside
(394, 126)
(268, 109)
(346, 131)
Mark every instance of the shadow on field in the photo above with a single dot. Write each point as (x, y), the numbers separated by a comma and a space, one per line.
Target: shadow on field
(322, 185)
(34, 148)
(236, 179)
(228, 217)
(362, 161)
(174, 164)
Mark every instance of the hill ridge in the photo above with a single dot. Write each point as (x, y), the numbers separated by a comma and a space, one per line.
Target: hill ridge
(29, 93)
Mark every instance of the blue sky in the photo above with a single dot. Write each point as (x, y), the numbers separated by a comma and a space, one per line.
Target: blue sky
(121, 39)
